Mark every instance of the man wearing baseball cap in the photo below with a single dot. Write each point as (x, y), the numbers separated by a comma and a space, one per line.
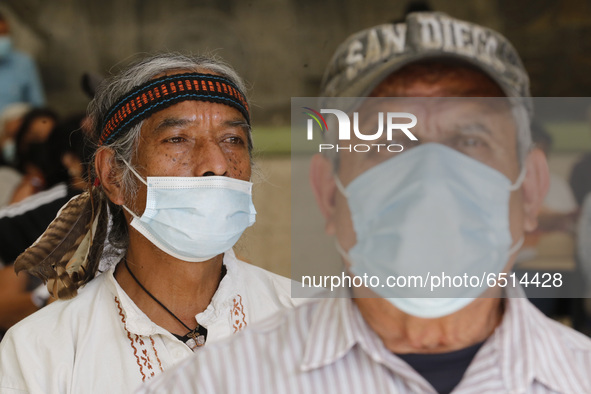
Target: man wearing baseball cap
(460, 197)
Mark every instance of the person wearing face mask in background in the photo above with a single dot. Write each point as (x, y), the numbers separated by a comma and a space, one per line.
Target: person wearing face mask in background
(457, 199)
(19, 79)
(22, 223)
(10, 122)
(147, 253)
(40, 167)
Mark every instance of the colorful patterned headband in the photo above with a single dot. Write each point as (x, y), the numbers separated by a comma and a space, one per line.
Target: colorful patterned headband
(160, 93)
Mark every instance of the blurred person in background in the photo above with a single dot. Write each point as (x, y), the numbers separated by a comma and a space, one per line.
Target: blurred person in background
(583, 246)
(19, 80)
(560, 209)
(10, 121)
(580, 176)
(556, 225)
(580, 181)
(40, 167)
(22, 223)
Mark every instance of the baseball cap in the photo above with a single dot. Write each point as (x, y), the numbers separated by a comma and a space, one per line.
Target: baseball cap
(366, 58)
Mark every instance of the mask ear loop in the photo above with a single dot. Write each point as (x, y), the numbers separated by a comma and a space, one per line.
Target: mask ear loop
(337, 244)
(141, 179)
(519, 180)
(129, 211)
(517, 246)
(513, 187)
(342, 251)
(134, 171)
(340, 186)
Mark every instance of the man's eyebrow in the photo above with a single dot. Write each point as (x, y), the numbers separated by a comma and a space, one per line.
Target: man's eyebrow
(170, 122)
(238, 123)
(475, 128)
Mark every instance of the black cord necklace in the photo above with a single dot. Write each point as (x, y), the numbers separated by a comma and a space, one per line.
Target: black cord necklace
(194, 338)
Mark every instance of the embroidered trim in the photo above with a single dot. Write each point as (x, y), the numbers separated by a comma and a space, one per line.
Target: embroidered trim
(142, 360)
(130, 340)
(156, 353)
(237, 311)
(160, 93)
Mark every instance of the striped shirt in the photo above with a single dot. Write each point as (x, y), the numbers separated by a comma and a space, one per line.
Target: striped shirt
(326, 347)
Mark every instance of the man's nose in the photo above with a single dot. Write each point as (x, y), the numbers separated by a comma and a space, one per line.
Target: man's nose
(210, 160)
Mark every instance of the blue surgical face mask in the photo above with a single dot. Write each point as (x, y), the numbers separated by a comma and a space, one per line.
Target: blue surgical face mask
(5, 46)
(430, 210)
(195, 218)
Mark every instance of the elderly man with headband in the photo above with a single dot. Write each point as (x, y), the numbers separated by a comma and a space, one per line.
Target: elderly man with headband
(144, 257)
(458, 200)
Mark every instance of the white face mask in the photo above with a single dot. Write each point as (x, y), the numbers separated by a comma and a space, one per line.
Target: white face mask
(430, 210)
(194, 218)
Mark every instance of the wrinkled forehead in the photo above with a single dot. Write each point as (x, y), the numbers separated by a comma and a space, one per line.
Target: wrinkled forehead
(435, 109)
(438, 77)
(194, 113)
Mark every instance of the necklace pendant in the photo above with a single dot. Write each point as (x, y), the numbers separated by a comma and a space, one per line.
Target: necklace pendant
(195, 341)
(194, 338)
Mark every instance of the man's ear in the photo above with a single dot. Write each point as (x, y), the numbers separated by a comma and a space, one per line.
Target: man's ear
(535, 187)
(324, 187)
(110, 180)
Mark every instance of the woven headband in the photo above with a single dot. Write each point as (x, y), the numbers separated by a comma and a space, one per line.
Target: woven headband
(160, 93)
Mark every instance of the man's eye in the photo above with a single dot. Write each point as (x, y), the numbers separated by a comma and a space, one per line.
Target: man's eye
(175, 140)
(472, 142)
(234, 140)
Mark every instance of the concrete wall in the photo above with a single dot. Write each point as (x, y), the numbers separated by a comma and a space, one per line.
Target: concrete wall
(280, 46)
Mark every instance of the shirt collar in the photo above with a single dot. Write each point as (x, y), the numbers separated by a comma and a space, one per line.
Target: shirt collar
(137, 322)
(330, 336)
(223, 298)
(336, 327)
